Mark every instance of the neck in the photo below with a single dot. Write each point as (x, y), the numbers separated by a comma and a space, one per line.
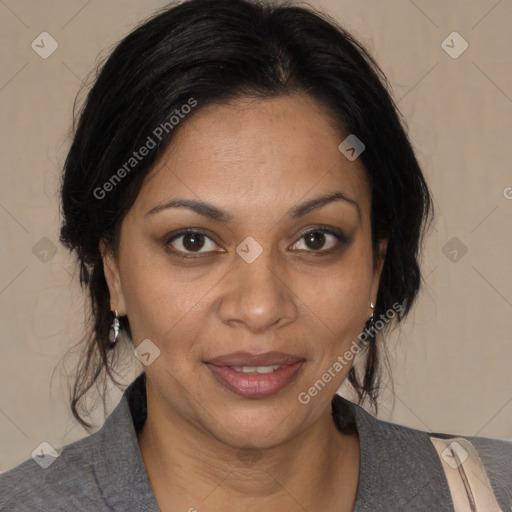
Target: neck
(313, 469)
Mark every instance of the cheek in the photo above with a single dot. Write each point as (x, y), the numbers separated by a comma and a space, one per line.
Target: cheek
(163, 303)
(341, 301)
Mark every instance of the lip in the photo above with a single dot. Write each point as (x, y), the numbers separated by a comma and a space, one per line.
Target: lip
(255, 385)
(249, 359)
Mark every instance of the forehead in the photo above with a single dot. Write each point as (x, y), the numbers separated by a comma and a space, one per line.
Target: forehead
(251, 153)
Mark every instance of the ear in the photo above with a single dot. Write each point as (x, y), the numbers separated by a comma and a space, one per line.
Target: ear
(377, 268)
(112, 275)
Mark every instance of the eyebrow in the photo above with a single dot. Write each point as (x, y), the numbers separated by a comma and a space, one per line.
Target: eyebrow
(212, 212)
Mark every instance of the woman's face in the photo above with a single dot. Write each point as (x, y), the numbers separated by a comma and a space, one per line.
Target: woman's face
(250, 278)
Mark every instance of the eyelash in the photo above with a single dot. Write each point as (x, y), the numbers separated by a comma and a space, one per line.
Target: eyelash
(338, 235)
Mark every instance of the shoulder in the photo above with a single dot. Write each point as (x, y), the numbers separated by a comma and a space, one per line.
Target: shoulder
(401, 460)
(45, 483)
(496, 456)
(497, 451)
(103, 471)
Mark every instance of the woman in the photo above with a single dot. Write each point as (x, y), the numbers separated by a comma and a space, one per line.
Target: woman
(247, 211)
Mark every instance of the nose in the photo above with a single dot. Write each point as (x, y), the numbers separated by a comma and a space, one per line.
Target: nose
(257, 295)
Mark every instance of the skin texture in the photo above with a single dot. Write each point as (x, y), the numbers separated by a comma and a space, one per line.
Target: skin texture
(254, 159)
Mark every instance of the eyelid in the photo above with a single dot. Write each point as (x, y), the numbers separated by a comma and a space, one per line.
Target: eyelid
(340, 236)
(336, 232)
(168, 239)
(325, 229)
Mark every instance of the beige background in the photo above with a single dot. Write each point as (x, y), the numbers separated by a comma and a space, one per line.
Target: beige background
(451, 359)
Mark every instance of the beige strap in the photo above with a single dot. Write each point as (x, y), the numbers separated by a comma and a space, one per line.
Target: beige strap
(468, 482)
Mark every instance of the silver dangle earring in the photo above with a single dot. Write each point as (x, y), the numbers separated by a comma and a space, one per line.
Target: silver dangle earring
(370, 320)
(113, 335)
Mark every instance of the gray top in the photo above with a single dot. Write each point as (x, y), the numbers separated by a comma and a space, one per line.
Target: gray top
(400, 469)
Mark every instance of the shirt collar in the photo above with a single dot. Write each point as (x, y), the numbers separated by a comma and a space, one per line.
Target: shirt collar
(118, 460)
(399, 467)
(394, 459)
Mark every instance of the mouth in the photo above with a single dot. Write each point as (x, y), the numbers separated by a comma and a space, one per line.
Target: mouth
(255, 375)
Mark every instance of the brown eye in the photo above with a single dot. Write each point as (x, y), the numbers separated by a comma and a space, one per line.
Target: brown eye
(193, 241)
(315, 239)
(321, 241)
(187, 242)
